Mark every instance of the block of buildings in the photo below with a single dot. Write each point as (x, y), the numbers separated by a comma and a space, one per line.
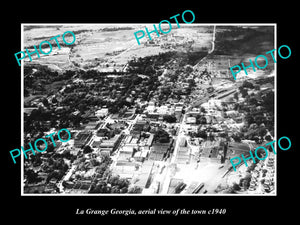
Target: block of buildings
(111, 144)
(82, 138)
(183, 155)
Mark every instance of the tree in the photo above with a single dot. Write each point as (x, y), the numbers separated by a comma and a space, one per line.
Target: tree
(170, 118)
(236, 137)
(123, 190)
(55, 174)
(268, 102)
(162, 136)
(249, 119)
(31, 176)
(202, 134)
(245, 181)
(262, 132)
(253, 101)
(257, 87)
(236, 187)
(45, 102)
(122, 183)
(95, 162)
(149, 70)
(202, 120)
(87, 149)
(248, 84)
(268, 138)
(54, 100)
(189, 69)
(135, 190)
(202, 109)
(244, 92)
(251, 167)
(82, 107)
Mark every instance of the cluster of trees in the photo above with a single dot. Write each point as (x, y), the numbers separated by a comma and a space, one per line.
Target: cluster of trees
(243, 91)
(190, 57)
(95, 74)
(169, 118)
(149, 64)
(87, 149)
(243, 183)
(81, 97)
(37, 76)
(200, 119)
(106, 182)
(57, 169)
(259, 112)
(31, 176)
(120, 91)
(199, 134)
(161, 136)
(114, 184)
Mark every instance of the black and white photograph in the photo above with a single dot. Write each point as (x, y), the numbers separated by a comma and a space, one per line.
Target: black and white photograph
(145, 112)
(165, 116)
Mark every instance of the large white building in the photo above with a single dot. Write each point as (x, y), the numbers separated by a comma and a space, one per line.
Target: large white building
(101, 112)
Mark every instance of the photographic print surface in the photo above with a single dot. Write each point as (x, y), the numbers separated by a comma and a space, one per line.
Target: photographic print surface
(163, 115)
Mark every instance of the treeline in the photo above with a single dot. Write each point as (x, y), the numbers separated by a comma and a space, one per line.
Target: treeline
(96, 74)
(116, 28)
(149, 65)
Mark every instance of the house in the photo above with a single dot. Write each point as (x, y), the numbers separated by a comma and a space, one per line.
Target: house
(151, 107)
(101, 112)
(163, 110)
(232, 113)
(191, 120)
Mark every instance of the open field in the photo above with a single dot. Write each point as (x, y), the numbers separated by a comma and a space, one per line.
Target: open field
(108, 46)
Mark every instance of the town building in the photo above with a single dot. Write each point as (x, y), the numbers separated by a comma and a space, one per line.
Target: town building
(82, 138)
(101, 112)
(110, 145)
